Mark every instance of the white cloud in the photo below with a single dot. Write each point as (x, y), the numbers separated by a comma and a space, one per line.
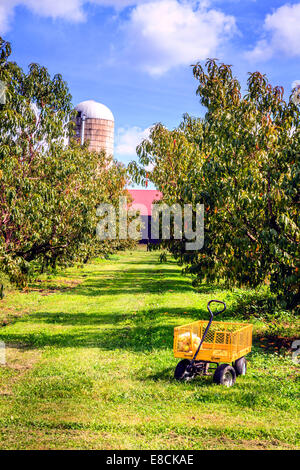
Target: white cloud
(70, 10)
(128, 139)
(67, 9)
(6, 15)
(161, 34)
(119, 4)
(281, 34)
(168, 33)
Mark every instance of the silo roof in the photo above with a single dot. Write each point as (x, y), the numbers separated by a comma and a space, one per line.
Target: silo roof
(94, 110)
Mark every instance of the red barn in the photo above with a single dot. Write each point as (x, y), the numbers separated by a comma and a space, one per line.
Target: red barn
(142, 202)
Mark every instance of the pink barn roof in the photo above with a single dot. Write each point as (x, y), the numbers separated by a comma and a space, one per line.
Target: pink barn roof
(143, 199)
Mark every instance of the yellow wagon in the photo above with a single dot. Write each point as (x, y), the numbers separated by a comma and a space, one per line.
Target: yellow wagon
(202, 343)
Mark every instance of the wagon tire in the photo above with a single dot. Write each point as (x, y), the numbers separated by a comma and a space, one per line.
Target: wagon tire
(224, 375)
(240, 366)
(180, 371)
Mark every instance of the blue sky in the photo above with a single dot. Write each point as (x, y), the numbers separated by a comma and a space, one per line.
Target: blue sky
(135, 55)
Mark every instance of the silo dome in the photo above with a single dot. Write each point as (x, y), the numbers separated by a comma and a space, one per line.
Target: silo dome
(94, 110)
(95, 124)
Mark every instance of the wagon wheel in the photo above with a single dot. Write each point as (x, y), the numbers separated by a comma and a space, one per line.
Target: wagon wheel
(224, 375)
(240, 366)
(181, 373)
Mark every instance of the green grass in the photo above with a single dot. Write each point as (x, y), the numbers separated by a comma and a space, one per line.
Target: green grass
(90, 366)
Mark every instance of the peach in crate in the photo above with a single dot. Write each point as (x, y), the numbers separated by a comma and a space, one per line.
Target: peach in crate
(187, 342)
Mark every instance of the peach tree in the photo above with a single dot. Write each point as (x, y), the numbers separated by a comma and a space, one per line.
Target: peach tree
(242, 161)
(49, 191)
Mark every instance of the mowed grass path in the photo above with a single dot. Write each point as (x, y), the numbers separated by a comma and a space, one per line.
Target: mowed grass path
(90, 366)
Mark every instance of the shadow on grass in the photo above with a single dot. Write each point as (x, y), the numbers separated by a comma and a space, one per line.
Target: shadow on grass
(209, 289)
(144, 331)
(160, 278)
(139, 338)
(145, 317)
(247, 392)
(132, 282)
(167, 376)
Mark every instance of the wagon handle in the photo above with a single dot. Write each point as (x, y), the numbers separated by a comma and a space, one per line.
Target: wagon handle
(212, 314)
(208, 326)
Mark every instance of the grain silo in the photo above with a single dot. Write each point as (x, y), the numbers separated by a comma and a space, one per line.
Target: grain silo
(95, 123)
